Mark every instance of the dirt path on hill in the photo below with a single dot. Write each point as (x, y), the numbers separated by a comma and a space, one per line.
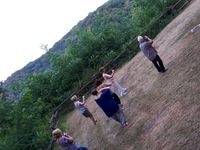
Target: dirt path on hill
(163, 109)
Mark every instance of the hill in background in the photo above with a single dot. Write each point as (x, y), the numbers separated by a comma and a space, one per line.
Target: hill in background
(112, 12)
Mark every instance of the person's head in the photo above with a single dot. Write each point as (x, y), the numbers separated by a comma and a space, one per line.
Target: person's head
(140, 39)
(102, 70)
(73, 98)
(94, 92)
(98, 82)
(57, 133)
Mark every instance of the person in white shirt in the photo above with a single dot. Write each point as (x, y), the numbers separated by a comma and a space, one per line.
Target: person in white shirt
(109, 78)
(82, 108)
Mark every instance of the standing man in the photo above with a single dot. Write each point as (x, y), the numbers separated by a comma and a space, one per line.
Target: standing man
(150, 52)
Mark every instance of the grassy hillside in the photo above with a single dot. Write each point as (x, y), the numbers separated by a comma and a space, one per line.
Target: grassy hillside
(163, 109)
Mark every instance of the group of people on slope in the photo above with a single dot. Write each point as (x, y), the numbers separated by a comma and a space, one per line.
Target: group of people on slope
(106, 99)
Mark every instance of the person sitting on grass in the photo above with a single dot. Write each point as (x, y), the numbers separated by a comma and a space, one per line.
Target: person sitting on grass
(66, 141)
(82, 108)
(106, 102)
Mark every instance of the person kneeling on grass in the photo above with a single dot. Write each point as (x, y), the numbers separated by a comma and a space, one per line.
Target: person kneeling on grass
(109, 106)
(82, 108)
(66, 141)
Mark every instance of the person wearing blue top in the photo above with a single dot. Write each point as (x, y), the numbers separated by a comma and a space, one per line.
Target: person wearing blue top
(66, 141)
(109, 106)
(100, 85)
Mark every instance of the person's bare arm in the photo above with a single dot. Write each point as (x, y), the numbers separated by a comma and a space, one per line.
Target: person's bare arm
(107, 84)
(150, 41)
(69, 138)
(109, 76)
(103, 86)
(83, 101)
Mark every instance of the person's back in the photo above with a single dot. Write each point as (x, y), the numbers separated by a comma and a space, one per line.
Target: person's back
(106, 103)
(148, 50)
(78, 106)
(145, 44)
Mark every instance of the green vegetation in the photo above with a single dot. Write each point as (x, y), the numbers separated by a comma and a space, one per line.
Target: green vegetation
(97, 40)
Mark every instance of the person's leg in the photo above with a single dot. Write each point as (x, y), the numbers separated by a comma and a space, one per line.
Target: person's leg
(120, 117)
(87, 113)
(160, 64)
(121, 90)
(156, 64)
(115, 117)
(93, 120)
(117, 99)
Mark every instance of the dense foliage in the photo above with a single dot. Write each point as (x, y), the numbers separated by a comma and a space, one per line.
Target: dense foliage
(97, 39)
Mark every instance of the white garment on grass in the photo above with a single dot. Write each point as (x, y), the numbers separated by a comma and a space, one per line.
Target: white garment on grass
(80, 107)
(197, 27)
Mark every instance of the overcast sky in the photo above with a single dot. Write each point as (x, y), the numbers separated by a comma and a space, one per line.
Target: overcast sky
(26, 24)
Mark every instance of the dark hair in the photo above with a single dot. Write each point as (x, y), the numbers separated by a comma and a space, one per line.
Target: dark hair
(94, 92)
(98, 82)
(101, 69)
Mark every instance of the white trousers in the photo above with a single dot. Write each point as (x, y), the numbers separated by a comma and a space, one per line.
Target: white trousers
(117, 86)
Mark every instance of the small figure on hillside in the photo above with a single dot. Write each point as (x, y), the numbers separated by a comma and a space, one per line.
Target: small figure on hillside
(100, 86)
(66, 141)
(145, 44)
(195, 28)
(109, 106)
(82, 108)
(109, 78)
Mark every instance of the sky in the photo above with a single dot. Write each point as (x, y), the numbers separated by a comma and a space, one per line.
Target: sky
(26, 24)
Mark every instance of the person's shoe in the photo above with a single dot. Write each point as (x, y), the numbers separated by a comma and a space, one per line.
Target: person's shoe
(164, 70)
(123, 92)
(125, 124)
